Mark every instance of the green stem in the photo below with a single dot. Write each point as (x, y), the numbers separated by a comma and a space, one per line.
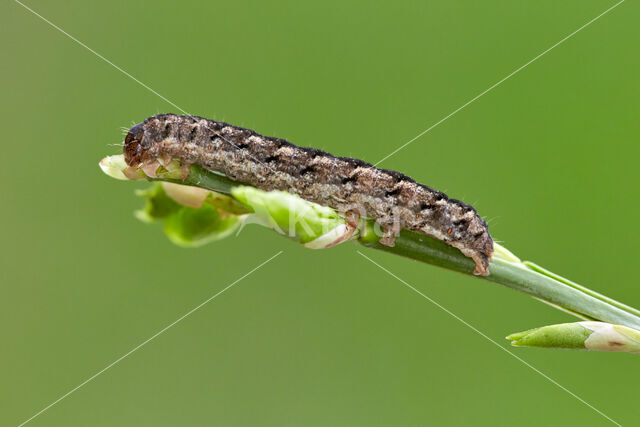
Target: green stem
(514, 275)
(506, 269)
(199, 177)
(568, 282)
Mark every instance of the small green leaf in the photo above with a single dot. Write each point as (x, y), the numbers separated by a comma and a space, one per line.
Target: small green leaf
(158, 205)
(194, 227)
(186, 226)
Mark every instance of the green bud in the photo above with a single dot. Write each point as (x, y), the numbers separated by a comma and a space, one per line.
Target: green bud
(588, 335)
(566, 335)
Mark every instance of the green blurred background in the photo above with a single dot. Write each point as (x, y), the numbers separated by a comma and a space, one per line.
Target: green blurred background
(314, 337)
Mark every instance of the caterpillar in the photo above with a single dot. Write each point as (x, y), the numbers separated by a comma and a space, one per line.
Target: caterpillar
(351, 186)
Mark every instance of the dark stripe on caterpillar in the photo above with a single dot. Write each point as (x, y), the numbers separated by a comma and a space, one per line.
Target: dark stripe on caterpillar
(348, 185)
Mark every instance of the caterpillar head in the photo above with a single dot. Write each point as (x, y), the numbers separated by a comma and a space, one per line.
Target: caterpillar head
(133, 145)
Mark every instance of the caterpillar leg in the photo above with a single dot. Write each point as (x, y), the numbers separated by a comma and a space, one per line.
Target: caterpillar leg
(481, 251)
(480, 258)
(353, 219)
(389, 237)
(482, 264)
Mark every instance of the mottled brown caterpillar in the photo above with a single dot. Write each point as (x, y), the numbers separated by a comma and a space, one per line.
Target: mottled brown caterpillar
(350, 186)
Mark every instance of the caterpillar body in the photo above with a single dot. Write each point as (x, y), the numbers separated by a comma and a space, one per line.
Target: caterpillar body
(350, 186)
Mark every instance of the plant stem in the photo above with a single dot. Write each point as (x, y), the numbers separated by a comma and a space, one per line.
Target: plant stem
(595, 294)
(199, 177)
(506, 269)
(514, 275)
